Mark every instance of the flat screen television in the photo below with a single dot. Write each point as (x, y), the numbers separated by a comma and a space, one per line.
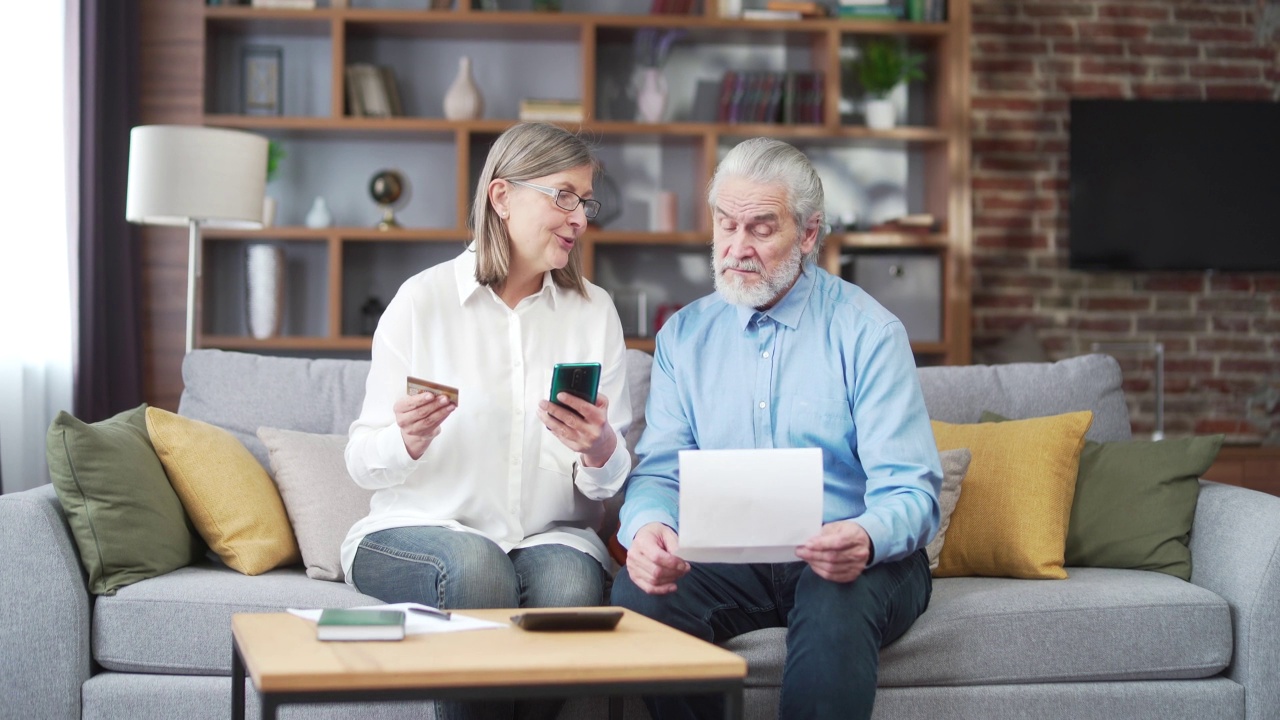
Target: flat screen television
(1174, 185)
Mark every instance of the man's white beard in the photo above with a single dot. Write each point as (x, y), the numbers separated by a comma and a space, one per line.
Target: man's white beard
(764, 289)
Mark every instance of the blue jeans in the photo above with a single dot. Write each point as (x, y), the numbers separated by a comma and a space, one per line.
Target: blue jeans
(461, 570)
(834, 630)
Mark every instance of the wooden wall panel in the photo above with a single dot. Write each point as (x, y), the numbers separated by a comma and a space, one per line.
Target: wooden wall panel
(170, 86)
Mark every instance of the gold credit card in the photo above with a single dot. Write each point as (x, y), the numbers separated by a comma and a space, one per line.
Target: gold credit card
(417, 385)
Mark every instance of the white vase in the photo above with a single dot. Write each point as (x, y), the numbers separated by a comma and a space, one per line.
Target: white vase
(318, 216)
(651, 100)
(463, 100)
(264, 289)
(880, 114)
(268, 211)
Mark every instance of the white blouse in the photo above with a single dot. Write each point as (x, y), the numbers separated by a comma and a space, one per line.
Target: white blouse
(494, 469)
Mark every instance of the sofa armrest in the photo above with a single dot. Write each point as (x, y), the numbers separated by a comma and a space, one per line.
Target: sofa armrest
(44, 609)
(1235, 552)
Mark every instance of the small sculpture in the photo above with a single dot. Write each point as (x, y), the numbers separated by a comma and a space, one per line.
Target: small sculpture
(386, 187)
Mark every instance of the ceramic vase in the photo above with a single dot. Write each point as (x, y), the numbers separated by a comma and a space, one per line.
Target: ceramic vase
(880, 114)
(463, 100)
(318, 216)
(264, 289)
(651, 99)
(268, 211)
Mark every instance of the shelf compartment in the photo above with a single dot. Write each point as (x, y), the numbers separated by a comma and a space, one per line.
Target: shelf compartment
(424, 71)
(378, 269)
(306, 293)
(908, 284)
(306, 53)
(669, 276)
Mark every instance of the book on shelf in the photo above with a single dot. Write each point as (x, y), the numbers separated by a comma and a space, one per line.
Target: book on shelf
(335, 624)
(544, 110)
(806, 8)
(671, 7)
(758, 14)
(789, 98)
(372, 91)
(882, 11)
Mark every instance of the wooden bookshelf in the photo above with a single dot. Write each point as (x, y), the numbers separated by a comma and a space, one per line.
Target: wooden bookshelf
(337, 260)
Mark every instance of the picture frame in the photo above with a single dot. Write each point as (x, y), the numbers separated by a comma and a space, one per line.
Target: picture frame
(262, 80)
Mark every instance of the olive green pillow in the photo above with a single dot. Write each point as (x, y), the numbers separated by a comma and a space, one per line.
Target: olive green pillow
(126, 519)
(1135, 502)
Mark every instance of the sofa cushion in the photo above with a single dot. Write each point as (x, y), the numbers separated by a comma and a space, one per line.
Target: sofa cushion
(1011, 520)
(959, 394)
(127, 521)
(228, 496)
(181, 622)
(955, 463)
(322, 500)
(1135, 501)
(242, 392)
(1099, 625)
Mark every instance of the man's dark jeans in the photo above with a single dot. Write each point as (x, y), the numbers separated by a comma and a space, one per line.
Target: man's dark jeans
(834, 630)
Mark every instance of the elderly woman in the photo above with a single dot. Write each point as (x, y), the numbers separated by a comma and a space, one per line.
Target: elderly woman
(494, 500)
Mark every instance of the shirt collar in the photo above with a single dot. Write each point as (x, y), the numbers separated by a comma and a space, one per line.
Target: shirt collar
(790, 308)
(465, 275)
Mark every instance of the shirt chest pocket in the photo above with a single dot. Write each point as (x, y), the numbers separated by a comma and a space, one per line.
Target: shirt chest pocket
(814, 421)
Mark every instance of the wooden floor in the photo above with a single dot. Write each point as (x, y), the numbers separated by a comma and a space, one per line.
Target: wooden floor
(1257, 468)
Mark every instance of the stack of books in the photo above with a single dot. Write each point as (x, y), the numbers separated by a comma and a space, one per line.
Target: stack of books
(791, 98)
(806, 8)
(372, 92)
(872, 9)
(543, 110)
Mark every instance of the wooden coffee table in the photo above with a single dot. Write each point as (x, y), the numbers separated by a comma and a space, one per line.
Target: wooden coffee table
(639, 657)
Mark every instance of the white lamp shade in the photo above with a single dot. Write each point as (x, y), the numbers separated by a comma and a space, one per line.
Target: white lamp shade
(180, 173)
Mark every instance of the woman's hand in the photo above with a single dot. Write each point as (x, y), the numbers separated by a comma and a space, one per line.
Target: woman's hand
(419, 417)
(582, 427)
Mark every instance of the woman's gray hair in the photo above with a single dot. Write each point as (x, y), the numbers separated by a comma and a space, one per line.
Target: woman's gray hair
(772, 162)
(523, 152)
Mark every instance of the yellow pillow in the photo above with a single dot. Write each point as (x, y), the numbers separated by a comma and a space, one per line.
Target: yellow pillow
(229, 496)
(1011, 520)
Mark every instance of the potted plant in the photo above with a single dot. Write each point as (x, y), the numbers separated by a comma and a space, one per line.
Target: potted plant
(275, 153)
(882, 65)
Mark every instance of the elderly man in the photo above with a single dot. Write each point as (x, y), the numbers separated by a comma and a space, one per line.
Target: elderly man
(786, 355)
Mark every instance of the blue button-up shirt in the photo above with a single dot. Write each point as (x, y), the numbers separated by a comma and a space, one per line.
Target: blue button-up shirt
(826, 367)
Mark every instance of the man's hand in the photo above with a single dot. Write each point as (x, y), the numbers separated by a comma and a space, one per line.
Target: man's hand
(651, 561)
(839, 553)
(583, 428)
(419, 417)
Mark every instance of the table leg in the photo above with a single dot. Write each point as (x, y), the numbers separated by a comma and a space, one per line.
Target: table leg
(615, 707)
(269, 706)
(237, 682)
(733, 704)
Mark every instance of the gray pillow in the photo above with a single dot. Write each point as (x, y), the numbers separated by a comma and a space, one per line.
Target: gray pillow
(321, 499)
(955, 463)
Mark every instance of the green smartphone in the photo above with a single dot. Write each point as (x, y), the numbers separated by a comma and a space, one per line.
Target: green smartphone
(580, 379)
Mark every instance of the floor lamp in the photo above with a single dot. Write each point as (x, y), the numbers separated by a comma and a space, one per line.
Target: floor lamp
(193, 176)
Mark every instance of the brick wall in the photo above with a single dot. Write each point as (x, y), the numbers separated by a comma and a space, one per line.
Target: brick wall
(1221, 332)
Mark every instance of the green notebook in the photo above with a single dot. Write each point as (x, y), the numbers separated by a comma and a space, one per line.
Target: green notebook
(360, 625)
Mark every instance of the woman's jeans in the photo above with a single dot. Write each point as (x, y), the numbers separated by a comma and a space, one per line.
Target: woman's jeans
(834, 630)
(460, 570)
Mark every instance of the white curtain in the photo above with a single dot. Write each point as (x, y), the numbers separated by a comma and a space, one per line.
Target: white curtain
(38, 201)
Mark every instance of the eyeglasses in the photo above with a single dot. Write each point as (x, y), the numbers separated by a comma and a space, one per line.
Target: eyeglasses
(565, 200)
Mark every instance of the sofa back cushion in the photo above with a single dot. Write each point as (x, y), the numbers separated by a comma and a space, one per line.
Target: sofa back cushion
(242, 392)
(960, 394)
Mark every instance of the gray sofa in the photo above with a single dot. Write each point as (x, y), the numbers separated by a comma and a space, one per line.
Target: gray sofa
(1102, 644)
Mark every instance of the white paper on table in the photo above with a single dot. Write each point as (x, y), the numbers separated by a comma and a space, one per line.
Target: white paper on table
(414, 623)
(749, 506)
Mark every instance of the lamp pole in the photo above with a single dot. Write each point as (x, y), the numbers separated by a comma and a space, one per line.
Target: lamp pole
(1157, 348)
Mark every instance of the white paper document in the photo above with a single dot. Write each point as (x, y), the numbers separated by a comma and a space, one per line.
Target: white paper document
(415, 623)
(749, 506)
